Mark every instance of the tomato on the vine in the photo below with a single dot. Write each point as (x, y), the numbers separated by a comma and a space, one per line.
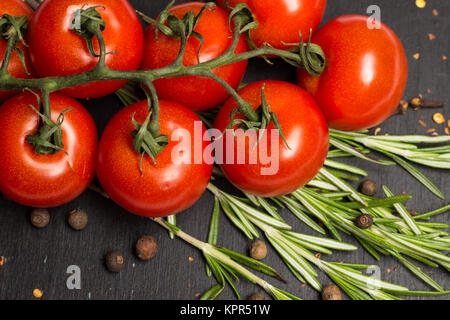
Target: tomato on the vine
(280, 21)
(15, 67)
(45, 180)
(294, 164)
(180, 175)
(194, 92)
(58, 51)
(365, 76)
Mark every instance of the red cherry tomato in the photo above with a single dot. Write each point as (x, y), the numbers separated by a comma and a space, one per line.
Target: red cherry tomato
(196, 93)
(282, 20)
(365, 76)
(306, 132)
(45, 180)
(161, 190)
(57, 51)
(15, 67)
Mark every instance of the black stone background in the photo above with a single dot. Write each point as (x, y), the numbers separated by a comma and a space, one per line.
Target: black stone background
(39, 258)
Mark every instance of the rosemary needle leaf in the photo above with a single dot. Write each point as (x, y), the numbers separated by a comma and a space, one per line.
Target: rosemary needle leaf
(212, 293)
(416, 174)
(386, 202)
(419, 273)
(343, 186)
(345, 167)
(252, 263)
(403, 212)
(214, 225)
(294, 208)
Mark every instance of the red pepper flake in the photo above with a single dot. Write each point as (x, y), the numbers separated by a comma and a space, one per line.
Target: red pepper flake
(2, 260)
(197, 295)
(395, 269)
(423, 124)
(444, 58)
(447, 131)
(431, 37)
(377, 131)
(435, 12)
(388, 270)
(303, 285)
(416, 56)
(318, 255)
(431, 130)
(191, 259)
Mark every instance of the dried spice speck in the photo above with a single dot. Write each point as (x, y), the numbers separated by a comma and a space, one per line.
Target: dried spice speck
(438, 118)
(37, 293)
(447, 131)
(2, 261)
(388, 270)
(444, 58)
(435, 12)
(416, 56)
(431, 130)
(191, 259)
(431, 37)
(421, 4)
(423, 124)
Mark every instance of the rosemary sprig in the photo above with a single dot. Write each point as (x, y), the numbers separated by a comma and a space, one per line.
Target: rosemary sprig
(390, 234)
(294, 248)
(401, 149)
(224, 262)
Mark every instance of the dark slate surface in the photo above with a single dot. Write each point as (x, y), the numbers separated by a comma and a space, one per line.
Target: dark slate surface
(39, 258)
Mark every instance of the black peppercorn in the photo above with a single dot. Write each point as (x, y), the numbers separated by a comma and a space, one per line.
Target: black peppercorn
(256, 296)
(78, 219)
(364, 221)
(146, 248)
(115, 261)
(369, 187)
(258, 250)
(331, 292)
(40, 218)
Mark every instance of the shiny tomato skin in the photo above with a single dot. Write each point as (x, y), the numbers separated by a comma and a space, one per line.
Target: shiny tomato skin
(282, 20)
(365, 76)
(194, 92)
(161, 190)
(45, 180)
(304, 127)
(57, 51)
(15, 67)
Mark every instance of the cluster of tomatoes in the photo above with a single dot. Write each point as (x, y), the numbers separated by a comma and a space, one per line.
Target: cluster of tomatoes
(363, 81)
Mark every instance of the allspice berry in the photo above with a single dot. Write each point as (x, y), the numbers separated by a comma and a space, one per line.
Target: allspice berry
(256, 296)
(369, 187)
(146, 248)
(364, 221)
(40, 218)
(115, 261)
(258, 250)
(331, 292)
(78, 219)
